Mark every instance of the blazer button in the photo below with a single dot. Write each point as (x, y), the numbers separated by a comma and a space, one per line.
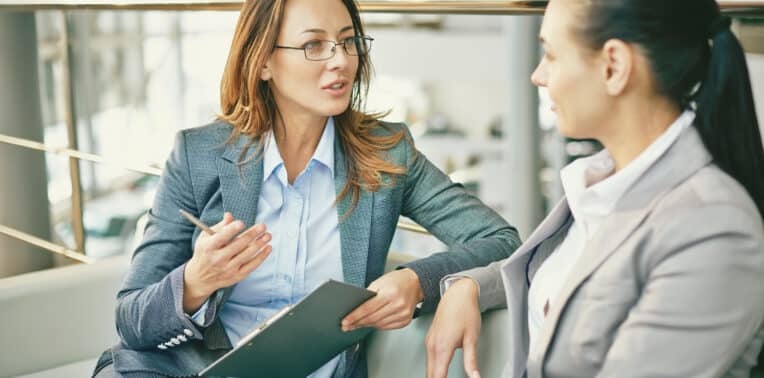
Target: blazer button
(182, 338)
(188, 332)
(175, 341)
(161, 346)
(169, 344)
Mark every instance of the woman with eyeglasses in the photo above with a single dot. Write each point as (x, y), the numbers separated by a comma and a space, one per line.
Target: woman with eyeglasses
(653, 263)
(302, 186)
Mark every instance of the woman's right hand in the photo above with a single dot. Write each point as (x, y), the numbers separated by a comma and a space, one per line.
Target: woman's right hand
(223, 259)
(456, 325)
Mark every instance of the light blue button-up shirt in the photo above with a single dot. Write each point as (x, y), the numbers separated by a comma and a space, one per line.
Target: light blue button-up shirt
(306, 241)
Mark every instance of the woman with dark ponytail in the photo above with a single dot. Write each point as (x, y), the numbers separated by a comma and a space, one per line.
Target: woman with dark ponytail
(653, 263)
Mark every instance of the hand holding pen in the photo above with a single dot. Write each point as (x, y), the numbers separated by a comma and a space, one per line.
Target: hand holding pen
(223, 256)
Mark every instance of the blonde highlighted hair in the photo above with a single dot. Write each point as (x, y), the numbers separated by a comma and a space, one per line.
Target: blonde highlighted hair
(247, 102)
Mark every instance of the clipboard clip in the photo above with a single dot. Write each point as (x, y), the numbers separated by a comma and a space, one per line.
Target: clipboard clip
(264, 325)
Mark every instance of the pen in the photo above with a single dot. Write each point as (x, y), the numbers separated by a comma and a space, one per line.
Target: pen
(196, 222)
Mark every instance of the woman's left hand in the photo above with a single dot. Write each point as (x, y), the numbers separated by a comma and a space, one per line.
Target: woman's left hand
(398, 293)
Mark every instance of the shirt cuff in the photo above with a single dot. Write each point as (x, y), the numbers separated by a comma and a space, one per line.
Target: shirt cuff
(199, 316)
(450, 279)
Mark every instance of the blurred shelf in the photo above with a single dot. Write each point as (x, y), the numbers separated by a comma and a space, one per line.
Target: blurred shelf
(737, 7)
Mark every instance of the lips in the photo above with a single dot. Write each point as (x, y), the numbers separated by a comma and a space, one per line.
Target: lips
(335, 84)
(337, 87)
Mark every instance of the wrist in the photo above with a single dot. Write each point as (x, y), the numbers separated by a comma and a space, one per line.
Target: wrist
(416, 284)
(193, 291)
(466, 285)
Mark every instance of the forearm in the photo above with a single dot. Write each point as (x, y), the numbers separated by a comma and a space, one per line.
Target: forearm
(472, 258)
(490, 286)
(146, 316)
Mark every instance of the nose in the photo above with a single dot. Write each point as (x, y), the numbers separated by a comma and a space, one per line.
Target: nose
(539, 76)
(339, 60)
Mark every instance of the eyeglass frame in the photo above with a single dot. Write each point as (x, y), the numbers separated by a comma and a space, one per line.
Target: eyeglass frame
(334, 47)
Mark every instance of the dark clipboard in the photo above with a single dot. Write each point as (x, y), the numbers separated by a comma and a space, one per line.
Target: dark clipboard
(298, 339)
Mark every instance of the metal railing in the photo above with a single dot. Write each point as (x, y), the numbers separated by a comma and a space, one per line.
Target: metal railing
(79, 155)
(493, 7)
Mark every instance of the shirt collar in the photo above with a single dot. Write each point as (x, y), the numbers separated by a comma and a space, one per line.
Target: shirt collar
(324, 154)
(590, 184)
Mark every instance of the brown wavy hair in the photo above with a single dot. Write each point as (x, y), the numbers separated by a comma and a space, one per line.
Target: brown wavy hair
(247, 102)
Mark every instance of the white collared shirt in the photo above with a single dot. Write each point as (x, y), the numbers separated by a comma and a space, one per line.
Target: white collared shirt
(592, 191)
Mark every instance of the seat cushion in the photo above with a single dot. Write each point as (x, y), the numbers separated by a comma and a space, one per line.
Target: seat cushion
(82, 368)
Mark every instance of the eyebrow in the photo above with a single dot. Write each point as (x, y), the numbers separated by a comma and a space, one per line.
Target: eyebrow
(322, 31)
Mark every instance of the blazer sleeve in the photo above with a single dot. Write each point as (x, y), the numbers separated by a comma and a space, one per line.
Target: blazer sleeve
(701, 303)
(150, 302)
(475, 234)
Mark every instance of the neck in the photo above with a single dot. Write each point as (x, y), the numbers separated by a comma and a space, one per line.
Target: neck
(635, 126)
(297, 138)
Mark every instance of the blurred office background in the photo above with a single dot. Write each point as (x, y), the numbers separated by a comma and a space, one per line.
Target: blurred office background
(461, 83)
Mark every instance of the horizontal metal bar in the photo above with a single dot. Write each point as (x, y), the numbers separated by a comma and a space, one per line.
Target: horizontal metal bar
(738, 7)
(412, 227)
(44, 244)
(68, 152)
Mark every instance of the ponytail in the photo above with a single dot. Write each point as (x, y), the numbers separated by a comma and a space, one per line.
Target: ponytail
(726, 115)
(684, 49)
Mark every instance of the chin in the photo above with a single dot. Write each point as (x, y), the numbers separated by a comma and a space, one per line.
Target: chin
(569, 131)
(335, 110)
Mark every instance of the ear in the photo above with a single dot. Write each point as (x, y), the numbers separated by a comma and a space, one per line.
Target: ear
(266, 74)
(618, 66)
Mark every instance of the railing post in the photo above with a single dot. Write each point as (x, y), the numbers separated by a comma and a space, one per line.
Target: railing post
(78, 227)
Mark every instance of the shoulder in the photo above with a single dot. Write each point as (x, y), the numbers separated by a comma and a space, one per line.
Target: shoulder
(403, 150)
(711, 190)
(203, 142)
(383, 128)
(708, 208)
(197, 150)
(212, 134)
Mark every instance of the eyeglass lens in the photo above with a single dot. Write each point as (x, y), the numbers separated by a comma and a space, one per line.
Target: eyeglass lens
(326, 49)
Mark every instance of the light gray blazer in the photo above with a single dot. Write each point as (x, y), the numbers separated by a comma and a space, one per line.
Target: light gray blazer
(672, 285)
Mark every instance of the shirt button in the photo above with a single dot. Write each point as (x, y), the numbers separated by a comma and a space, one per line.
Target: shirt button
(182, 338)
(175, 341)
(169, 344)
(188, 332)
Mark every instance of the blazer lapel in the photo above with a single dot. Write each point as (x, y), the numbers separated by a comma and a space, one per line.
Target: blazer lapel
(516, 289)
(355, 227)
(240, 185)
(685, 157)
(240, 190)
(546, 228)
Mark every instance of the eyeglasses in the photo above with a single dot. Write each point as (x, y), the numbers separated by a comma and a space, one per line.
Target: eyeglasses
(324, 50)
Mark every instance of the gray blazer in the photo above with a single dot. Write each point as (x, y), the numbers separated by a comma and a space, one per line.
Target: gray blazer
(202, 177)
(672, 285)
